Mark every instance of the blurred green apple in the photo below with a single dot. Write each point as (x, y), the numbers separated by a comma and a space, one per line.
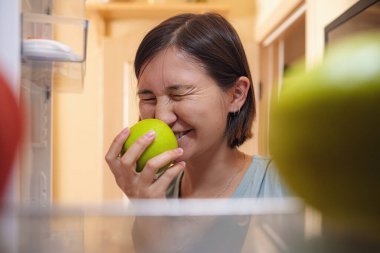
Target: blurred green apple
(165, 140)
(325, 132)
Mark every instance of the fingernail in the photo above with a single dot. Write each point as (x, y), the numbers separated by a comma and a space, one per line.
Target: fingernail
(179, 151)
(150, 134)
(182, 164)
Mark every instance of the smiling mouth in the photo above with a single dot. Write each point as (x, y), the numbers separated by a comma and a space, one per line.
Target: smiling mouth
(179, 135)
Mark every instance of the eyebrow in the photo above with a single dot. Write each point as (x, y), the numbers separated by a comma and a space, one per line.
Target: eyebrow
(178, 87)
(144, 91)
(171, 88)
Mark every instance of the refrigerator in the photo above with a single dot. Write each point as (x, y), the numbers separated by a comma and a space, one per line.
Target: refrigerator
(44, 51)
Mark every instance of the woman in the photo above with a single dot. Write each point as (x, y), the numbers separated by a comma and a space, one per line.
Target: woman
(193, 74)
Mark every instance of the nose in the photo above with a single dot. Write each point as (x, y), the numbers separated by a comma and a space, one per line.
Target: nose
(165, 111)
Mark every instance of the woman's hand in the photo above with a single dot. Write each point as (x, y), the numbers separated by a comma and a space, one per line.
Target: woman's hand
(143, 184)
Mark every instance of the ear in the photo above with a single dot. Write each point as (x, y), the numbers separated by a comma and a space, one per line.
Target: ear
(238, 94)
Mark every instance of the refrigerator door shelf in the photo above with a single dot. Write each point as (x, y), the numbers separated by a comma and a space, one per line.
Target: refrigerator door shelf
(50, 38)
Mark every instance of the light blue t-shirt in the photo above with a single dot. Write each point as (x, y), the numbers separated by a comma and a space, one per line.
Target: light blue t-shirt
(261, 180)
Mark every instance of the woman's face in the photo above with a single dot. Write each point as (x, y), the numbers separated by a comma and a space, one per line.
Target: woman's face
(174, 88)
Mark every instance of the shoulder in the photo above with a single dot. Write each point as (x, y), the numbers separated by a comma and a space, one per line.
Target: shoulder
(261, 180)
(273, 184)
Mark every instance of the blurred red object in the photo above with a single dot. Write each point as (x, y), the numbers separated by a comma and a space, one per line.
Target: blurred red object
(11, 122)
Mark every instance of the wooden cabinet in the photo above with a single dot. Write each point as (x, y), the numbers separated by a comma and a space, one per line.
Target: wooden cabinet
(278, 50)
(124, 10)
(112, 12)
(291, 30)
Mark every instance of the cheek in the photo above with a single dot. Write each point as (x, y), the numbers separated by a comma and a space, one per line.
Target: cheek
(146, 111)
(185, 110)
(200, 112)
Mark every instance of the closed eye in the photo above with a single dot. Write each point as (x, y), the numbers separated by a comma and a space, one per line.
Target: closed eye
(177, 97)
(180, 92)
(146, 96)
(148, 100)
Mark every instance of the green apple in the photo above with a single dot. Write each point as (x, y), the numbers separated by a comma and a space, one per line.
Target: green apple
(165, 140)
(325, 132)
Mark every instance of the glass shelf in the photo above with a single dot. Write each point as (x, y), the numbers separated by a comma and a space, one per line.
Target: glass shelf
(170, 225)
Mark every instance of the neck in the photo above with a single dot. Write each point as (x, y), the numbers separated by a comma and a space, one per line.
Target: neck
(213, 178)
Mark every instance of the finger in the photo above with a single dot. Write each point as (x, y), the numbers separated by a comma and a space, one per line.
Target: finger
(134, 152)
(157, 162)
(163, 182)
(115, 148)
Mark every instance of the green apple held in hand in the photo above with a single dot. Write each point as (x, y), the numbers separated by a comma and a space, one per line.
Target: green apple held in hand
(325, 132)
(165, 140)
